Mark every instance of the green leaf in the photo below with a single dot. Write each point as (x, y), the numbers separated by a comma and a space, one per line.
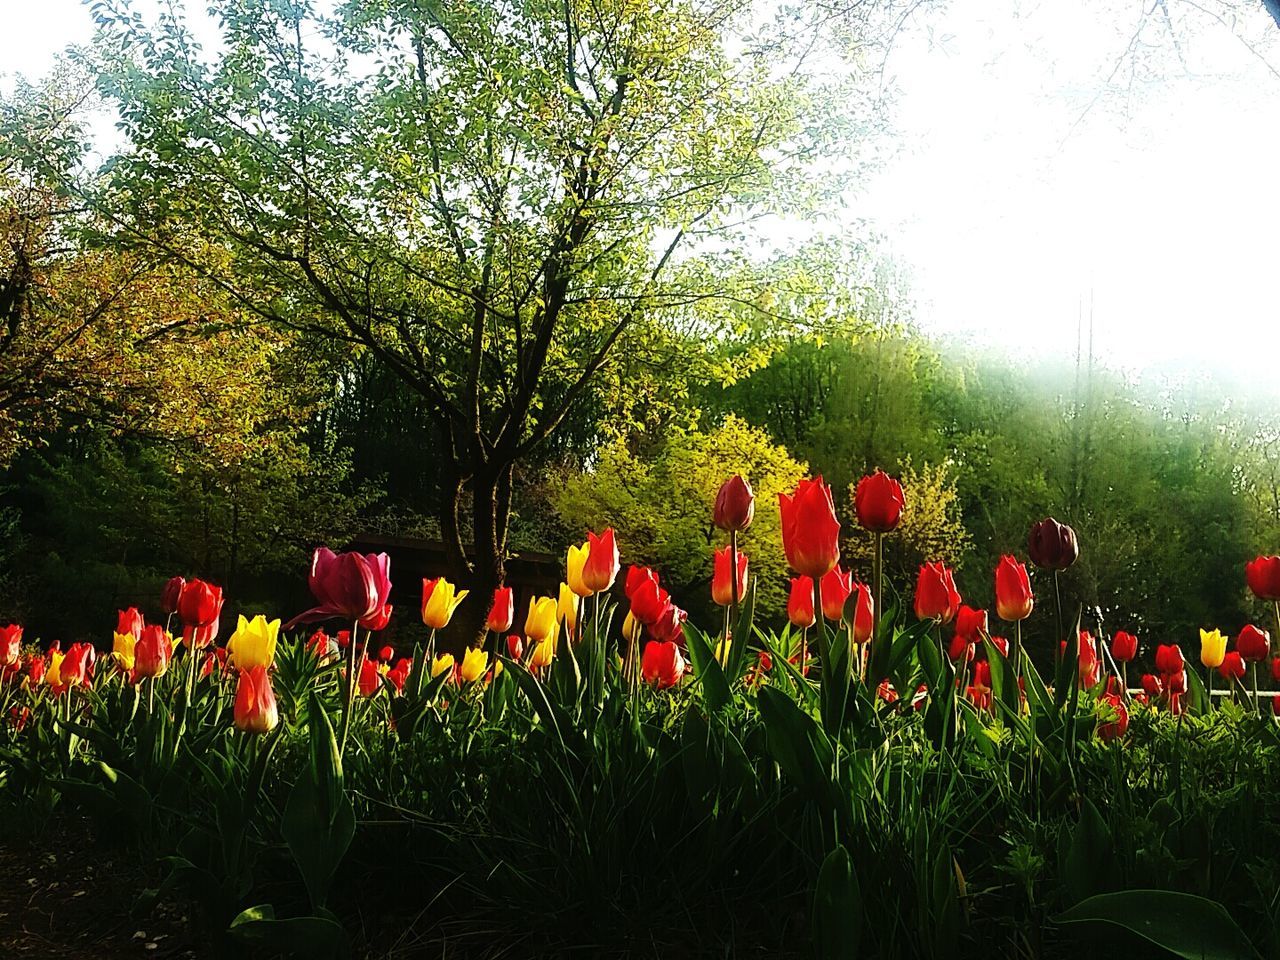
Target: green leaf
(837, 909)
(1089, 866)
(795, 742)
(1186, 925)
(716, 694)
(312, 936)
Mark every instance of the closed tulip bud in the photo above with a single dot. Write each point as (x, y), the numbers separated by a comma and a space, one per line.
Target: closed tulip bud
(1213, 647)
(130, 622)
(878, 501)
(632, 629)
(1152, 685)
(1232, 665)
(253, 644)
(255, 709)
(399, 673)
(810, 530)
(540, 623)
(169, 596)
(575, 561)
(1014, 599)
(1253, 643)
(1001, 644)
(199, 603)
(603, 564)
(442, 664)
(800, 603)
(1275, 705)
(1115, 718)
(650, 603)
(152, 653)
(475, 664)
(515, 648)
(936, 595)
(567, 609)
(439, 599)
(637, 577)
(661, 664)
(834, 589)
(503, 611)
(1124, 647)
(369, 681)
(1052, 545)
(735, 505)
(543, 653)
(1169, 659)
(10, 645)
(386, 653)
(1275, 669)
(1263, 576)
(970, 623)
(122, 650)
(722, 578)
(859, 609)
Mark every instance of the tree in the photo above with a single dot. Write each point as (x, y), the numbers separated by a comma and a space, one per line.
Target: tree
(495, 200)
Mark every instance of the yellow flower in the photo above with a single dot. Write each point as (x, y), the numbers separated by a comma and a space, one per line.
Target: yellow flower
(439, 599)
(1213, 648)
(567, 609)
(475, 663)
(632, 629)
(122, 649)
(574, 562)
(254, 643)
(542, 653)
(53, 675)
(541, 620)
(441, 663)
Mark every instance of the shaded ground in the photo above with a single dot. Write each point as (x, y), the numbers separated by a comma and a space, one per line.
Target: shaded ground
(64, 898)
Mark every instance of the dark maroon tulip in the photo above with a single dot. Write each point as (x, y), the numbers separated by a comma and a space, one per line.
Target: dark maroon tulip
(169, 597)
(1052, 545)
(735, 505)
(348, 586)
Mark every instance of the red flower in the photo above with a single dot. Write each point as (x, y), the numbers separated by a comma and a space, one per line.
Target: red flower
(810, 530)
(1263, 577)
(800, 603)
(636, 578)
(152, 653)
(936, 595)
(515, 647)
(1232, 666)
(321, 645)
(369, 681)
(661, 664)
(669, 626)
(1087, 658)
(196, 637)
(1152, 685)
(129, 623)
(834, 589)
(199, 603)
(1169, 659)
(649, 602)
(35, 670)
(878, 501)
(1275, 705)
(255, 708)
(377, 620)
(735, 505)
(169, 596)
(1275, 669)
(1124, 647)
(1254, 644)
(886, 692)
(1014, 599)
(864, 616)
(399, 673)
(10, 645)
(77, 665)
(970, 623)
(503, 611)
(349, 586)
(721, 582)
(602, 565)
(1114, 729)
(1175, 684)
(959, 649)
(1052, 545)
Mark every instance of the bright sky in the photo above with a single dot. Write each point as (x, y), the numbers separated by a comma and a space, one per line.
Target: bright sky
(1012, 200)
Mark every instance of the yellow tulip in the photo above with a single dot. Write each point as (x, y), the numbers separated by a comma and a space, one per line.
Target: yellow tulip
(53, 675)
(122, 649)
(541, 620)
(439, 601)
(441, 663)
(574, 562)
(1213, 648)
(567, 608)
(475, 663)
(632, 629)
(254, 642)
(542, 654)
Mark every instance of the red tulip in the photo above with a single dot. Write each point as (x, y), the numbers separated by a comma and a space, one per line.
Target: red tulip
(399, 673)
(636, 578)
(1052, 545)
(255, 708)
(152, 653)
(77, 665)
(349, 586)
(878, 501)
(735, 505)
(1275, 705)
(1114, 729)
(197, 637)
(970, 623)
(959, 649)
(1124, 647)
(602, 565)
(515, 647)
(800, 603)
(669, 626)
(1087, 658)
(321, 645)
(1169, 659)
(503, 611)
(1014, 599)
(936, 595)
(377, 620)
(721, 582)
(169, 596)
(1175, 684)
(10, 645)
(199, 603)
(370, 681)
(386, 653)
(1275, 669)
(1232, 666)
(129, 623)
(661, 664)
(863, 613)
(886, 692)
(1152, 685)
(1263, 577)
(1253, 643)
(649, 602)
(810, 530)
(834, 589)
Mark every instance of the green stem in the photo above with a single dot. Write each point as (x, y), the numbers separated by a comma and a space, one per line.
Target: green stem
(349, 692)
